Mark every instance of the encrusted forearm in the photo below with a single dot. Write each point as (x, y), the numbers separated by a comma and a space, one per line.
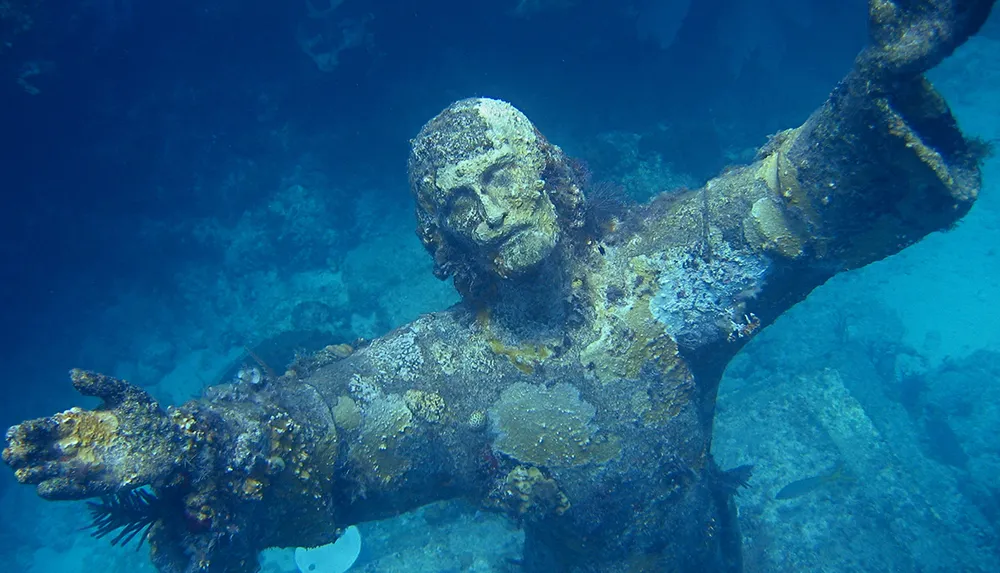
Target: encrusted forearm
(873, 170)
(252, 469)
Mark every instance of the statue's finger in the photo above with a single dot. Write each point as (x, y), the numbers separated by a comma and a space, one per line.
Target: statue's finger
(37, 474)
(63, 489)
(111, 390)
(27, 440)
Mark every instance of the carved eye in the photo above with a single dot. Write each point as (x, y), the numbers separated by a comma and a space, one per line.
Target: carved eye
(464, 211)
(496, 176)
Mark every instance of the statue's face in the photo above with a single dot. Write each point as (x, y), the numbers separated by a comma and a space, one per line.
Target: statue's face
(499, 209)
(477, 172)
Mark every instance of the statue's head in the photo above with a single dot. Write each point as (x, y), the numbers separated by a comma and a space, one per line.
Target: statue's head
(494, 197)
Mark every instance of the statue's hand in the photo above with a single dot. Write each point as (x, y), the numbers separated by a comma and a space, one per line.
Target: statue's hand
(912, 36)
(125, 443)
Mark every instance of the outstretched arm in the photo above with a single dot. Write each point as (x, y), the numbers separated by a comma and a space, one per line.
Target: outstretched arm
(209, 464)
(880, 165)
(347, 435)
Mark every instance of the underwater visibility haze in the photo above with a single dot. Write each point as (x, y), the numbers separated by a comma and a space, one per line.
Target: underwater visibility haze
(517, 285)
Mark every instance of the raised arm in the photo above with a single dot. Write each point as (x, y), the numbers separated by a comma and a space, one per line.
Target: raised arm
(880, 165)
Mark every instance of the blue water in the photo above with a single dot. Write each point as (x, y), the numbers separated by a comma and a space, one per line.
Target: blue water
(180, 181)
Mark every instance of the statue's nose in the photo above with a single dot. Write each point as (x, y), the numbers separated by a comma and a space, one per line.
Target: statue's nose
(493, 214)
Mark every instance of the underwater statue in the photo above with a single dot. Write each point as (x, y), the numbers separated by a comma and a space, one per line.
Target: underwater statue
(574, 386)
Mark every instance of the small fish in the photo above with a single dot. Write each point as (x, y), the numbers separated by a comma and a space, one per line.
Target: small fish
(808, 485)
